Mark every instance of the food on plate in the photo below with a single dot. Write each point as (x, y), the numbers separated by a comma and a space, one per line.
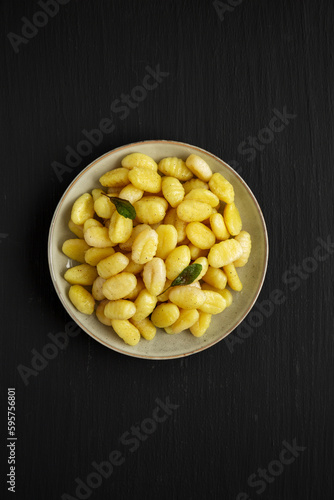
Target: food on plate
(156, 247)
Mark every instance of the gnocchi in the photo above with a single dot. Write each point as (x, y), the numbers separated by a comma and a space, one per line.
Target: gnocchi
(112, 265)
(81, 299)
(146, 328)
(126, 331)
(82, 209)
(199, 167)
(177, 260)
(167, 240)
(139, 160)
(154, 276)
(200, 235)
(118, 286)
(187, 297)
(145, 179)
(75, 249)
(119, 309)
(131, 261)
(172, 190)
(201, 325)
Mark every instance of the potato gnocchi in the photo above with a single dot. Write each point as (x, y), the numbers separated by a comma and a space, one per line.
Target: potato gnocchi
(178, 213)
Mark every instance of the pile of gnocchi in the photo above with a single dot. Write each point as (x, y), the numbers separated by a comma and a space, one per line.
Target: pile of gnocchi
(147, 226)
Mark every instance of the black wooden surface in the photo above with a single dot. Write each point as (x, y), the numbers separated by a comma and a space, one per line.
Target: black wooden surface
(230, 70)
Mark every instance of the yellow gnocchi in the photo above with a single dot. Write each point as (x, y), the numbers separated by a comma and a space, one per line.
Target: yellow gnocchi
(193, 211)
(145, 179)
(177, 260)
(172, 190)
(167, 240)
(81, 299)
(225, 293)
(145, 304)
(187, 297)
(94, 255)
(98, 237)
(112, 265)
(154, 276)
(118, 286)
(175, 167)
(172, 219)
(232, 219)
(199, 167)
(218, 226)
(200, 235)
(201, 325)
(222, 188)
(139, 160)
(104, 207)
(145, 327)
(131, 193)
(214, 302)
(185, 320)
(84, 274)
(145, 246)
(194, 183)
(119, 309)
(126, 331)
(75, 249)
(244, 238)
(232, 277)
(203, 195)
(224, 253)
(165, 315)
(215, 277)
(151, 209)
(120, 228)
(119, 177)
(82, 209)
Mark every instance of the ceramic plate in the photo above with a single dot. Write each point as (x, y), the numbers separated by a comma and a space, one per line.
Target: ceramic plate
(163, 346)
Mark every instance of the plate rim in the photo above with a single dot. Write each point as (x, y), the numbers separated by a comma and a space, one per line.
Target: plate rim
(91, 165)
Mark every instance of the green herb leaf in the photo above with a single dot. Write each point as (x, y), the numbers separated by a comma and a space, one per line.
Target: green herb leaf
(123, 207)
(187, 276)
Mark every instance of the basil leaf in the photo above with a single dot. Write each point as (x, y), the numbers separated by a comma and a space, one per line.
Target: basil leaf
(123, 207)
(187, 276)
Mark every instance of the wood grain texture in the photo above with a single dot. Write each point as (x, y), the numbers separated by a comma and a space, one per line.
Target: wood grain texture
(226, 79)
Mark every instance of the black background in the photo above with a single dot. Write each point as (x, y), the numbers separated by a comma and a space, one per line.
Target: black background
(226, 78)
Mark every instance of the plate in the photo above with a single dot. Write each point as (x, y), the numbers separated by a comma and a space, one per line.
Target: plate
(163, 346)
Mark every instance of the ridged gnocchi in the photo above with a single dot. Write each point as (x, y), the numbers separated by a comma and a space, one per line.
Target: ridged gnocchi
(139, 160)
(222, 188)
(172, 190)
(175, 167)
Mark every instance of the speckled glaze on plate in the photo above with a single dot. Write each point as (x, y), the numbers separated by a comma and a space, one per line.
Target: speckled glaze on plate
(163, 346)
